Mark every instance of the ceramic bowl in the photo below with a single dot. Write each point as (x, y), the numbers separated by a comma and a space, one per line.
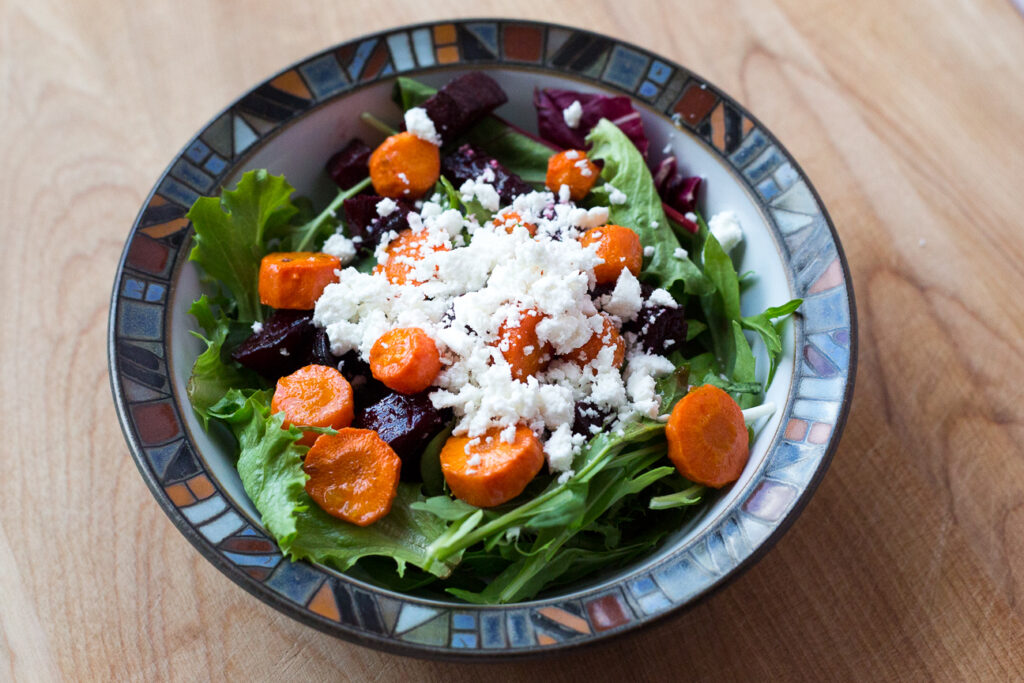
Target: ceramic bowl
(291, 124)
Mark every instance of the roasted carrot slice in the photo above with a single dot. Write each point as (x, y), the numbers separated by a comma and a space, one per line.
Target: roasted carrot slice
(353, 475)
(608, 336)
(510, 219)
(486, 471)
(295, 279)
(573, 169)
(519, 345)
(314, 396)
(619, 247)
(403, 252)
(404, 166)
(707, 438)
(405, 359)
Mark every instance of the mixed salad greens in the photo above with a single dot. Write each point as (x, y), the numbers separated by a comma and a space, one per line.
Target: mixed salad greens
(623, 496)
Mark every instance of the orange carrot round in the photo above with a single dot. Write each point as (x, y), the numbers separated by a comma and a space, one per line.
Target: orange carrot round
(486, 471)
(619, 247)
(404, 166)
(608, 336)
(510, 219)
(295, 279)
(707, 438)
(405, 359)
(353, 475)
(573, 169)
(402, 252)
(314, 396)
(519, 345)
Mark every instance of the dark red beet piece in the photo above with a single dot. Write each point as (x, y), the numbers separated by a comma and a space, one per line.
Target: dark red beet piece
(351, 164)
(585, 416)
(462, 102)
(469, 163)
(365, 389)
(550, 104)
(364, 222)
(659, 329)
(280, 347)
(407, 423)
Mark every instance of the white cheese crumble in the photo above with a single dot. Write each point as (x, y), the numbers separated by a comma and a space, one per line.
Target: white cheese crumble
(482, 190)
(418, 122)
(648, 252)
(615, 195)
(681, 253)
(725, 226)
(571, 114)
(257, 327)
(625, 300)
(386, 207)
(341, 247)
(660, 297)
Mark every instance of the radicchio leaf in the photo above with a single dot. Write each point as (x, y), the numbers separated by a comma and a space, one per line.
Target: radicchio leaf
(550, 104)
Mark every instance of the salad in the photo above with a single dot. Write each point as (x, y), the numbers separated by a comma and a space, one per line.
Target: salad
(495, 363)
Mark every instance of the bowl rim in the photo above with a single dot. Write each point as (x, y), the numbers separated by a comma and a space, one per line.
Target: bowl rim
(574, 635)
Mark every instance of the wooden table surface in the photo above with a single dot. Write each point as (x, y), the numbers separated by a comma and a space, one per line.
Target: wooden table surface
(907, 564)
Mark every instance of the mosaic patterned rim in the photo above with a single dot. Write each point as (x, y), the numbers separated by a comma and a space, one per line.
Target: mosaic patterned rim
(797, 458)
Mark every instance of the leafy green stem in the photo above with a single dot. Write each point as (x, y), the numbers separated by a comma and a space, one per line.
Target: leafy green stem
(310, 229)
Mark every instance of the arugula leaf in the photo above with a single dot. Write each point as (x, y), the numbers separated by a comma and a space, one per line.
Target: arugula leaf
(689, 496)
(211, 376)
(231, 233)
(270, 466)
(770, 332)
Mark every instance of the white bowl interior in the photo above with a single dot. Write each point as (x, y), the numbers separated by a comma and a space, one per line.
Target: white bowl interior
(300, 151)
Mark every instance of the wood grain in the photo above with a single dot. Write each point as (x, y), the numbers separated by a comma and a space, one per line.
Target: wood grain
(907, 564)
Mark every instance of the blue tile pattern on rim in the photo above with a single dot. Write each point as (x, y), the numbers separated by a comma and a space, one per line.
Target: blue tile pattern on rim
(823, 370)
(324, 76)
(297, 581)
(626, 67)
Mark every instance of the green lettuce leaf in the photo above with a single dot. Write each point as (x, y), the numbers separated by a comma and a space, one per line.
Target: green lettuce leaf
(770, 332)
(270, 466)
(231, 232)
(212, 375)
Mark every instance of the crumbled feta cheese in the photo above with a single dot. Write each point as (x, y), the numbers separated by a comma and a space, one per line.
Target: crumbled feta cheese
(257, 327)
(404, 178)
(615, 195)
(584, 167)
(681, 253)
(418, 122)
(564, 193)
(654, 224)
(641, 372)
(660, 297)
(571, 114)
(572, 154)
(468, 289)
(625, 300)
(481, 190)
(648, 252)
(386, 207)
(341, 247)
(725, 226)
(565, 476)
(690, 216)
(284, 352)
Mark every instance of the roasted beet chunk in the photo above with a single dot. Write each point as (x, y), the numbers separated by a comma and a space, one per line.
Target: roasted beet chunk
(469, 163)
(464, 101)
(351, 164)
(365, 389)
(367, 224)
(586, 416)
(281, 345)
(406, 422)
(659, 329)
